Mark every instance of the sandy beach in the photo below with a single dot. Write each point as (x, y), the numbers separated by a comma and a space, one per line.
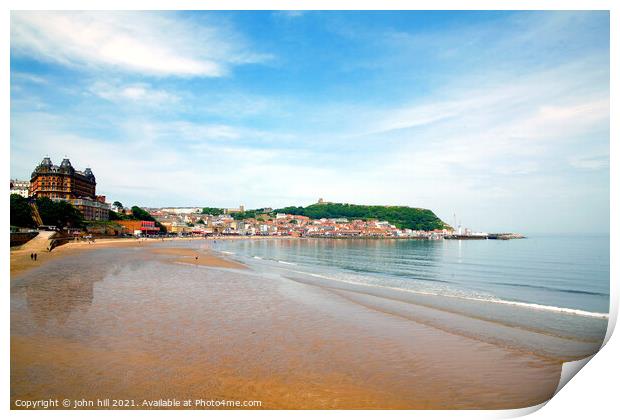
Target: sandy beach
(139, 321)
(199, 257)
(21, 262)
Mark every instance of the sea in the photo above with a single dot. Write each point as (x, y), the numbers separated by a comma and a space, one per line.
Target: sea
(552, 285)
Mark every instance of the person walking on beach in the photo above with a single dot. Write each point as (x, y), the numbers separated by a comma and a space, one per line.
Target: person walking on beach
(35, 256)
(32, 256)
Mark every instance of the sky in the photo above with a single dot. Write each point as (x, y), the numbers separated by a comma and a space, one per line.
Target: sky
(501, 118)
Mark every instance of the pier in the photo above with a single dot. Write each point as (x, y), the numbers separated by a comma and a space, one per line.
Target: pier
(497, 236)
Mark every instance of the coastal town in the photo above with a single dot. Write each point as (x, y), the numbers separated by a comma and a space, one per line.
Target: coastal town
(192, 221)
(99, 218)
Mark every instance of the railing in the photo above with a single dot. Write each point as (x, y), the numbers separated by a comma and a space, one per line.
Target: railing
(36, 217)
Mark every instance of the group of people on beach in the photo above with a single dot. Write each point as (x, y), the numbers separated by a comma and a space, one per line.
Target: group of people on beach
(33, 256)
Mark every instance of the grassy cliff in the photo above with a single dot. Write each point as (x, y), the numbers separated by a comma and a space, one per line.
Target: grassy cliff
(401, 216)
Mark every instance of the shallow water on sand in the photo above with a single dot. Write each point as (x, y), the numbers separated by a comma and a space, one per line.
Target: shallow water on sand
(131, 324)
(555, 285)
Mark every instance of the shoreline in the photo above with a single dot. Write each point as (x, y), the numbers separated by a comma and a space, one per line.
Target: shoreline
(511, 325)
(20, 258)
(21, 263)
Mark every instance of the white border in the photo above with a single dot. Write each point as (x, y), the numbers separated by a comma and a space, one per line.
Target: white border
(311, 5)
(592, 394)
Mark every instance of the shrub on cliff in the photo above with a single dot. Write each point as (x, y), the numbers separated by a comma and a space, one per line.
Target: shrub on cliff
(20, 212)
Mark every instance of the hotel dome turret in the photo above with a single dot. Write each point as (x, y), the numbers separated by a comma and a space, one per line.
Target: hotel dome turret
(65, 167)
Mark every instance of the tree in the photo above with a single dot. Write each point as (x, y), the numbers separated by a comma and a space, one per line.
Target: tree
(59, 213)
(118, 204)
(138, 214)
(56, 213)
(112, 215)
(21, 213)
(213, 211)
(241, 215)
(400, 216)
(200, 222)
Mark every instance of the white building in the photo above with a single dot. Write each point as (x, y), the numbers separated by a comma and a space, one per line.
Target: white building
(182, 210)
(20, 187)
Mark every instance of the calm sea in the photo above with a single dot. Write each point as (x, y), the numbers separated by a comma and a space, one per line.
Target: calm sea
(556, 284)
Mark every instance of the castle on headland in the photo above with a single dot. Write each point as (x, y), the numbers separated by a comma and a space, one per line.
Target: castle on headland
(66, 183)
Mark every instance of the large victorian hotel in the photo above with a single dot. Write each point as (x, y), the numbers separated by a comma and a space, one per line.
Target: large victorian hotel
(65, 183)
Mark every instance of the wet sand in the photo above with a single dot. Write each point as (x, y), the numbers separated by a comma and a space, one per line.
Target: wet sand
(197, 257)
(146, 323)
(21, 262)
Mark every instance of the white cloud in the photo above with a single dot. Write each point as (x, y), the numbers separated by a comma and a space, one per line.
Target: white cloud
(585, 112)
(290, 13)
(141, 93)
(590, 163)
(139, 42)
(197, 134)
(28, 77)
(192, 132)
(196, 170)
(237, 105)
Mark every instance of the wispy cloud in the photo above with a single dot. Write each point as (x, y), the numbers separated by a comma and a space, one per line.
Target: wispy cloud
(590, 163)
(289, 13)
(216, 165)
(18, 76)
(141, 93)
(517, 128)
(138, 42)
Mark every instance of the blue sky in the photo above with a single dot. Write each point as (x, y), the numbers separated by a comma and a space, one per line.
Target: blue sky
(499, 117)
